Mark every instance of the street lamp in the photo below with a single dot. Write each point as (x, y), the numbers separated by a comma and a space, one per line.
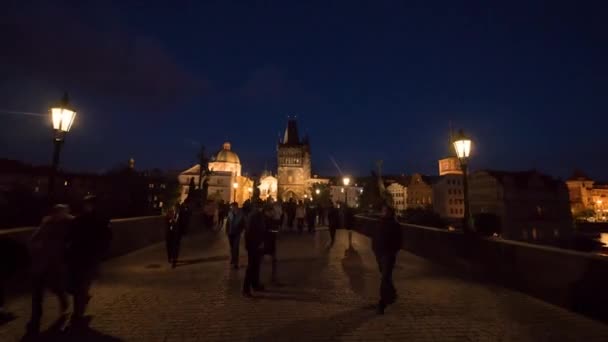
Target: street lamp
(62, 117)
(250, 189)
(235, 185)
(345, 181)
(599, 209)
(317, 191)
(462, 146)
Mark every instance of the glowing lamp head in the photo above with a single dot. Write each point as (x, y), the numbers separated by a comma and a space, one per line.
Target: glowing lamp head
(318, 191)
(235, 185)
(462, 146)
(346, 181)
(250, 189)
(62, 116)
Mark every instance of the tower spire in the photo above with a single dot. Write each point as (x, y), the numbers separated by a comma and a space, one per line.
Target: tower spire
(291, 136)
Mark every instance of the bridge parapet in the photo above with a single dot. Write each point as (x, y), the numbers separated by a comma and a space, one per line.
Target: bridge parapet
(571, 279)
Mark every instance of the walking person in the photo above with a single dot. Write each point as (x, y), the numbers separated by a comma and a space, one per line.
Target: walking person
(386, 243)
(270, 240)
(14, 256)
(254, 239)
(311, 217)
(184, 217)
(223, 210)
(88, 242)
(277, 215)
(208, 215)
(235, 223)
(49, 269)
(300, 216)
(291, 213)
(172, 235)
(333, 216)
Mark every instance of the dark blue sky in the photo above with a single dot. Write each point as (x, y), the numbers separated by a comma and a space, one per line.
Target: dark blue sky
(367, 80)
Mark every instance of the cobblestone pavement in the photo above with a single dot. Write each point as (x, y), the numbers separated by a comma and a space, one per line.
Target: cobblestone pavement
(325, 295)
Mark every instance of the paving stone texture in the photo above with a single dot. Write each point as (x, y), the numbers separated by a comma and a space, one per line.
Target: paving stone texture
(324, 295)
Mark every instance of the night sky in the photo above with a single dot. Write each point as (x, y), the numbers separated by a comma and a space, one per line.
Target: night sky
(368, 80)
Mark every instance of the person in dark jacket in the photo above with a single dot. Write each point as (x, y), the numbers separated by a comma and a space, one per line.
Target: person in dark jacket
(172, 235)
(254, 239)
(223, 210)
(14, 256)
(234, 228)
(88, 242)
(386, 243)
(185, 213)
(290, 209)
(333, 216)
(311, 217)
(49, 271)
(270, 239)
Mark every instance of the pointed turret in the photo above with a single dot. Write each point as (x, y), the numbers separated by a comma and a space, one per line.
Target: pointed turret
(291, 136)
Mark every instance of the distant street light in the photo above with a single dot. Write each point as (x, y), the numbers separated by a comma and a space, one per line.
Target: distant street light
(462, 146)
(235, 185)
(62, 117)
(345, 181)
(317, 191)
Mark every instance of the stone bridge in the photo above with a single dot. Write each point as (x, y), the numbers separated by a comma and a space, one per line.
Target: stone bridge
(324, 295)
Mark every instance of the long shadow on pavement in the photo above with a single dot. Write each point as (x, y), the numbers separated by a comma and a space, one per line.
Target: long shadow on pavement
(187, 262)
(322, 328)
(352, 264)
(55, 333)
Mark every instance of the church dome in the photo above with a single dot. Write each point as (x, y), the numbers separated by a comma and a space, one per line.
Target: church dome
(225, 155)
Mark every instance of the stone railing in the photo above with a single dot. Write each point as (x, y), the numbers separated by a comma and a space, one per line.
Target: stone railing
(574, 280)
(127, 234)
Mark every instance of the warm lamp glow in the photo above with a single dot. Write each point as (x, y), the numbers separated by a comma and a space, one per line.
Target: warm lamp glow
(462, 145)
(235, 185)
(63, 118)
(250, 189)
(317, 191)
(346, 181)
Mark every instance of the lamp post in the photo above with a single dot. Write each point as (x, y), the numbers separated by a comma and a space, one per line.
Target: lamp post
(62, 117)
(317, 191)
(235, 185)
(345, 181)
(462, 145)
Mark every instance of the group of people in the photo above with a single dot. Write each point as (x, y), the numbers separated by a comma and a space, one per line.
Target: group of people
(261, 221)
(65, 252)
(260, 224)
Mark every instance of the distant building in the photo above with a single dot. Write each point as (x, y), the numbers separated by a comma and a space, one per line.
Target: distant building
(530, 205)
(420, 191)
(398, 193)
(268, 186)
(294, 164)
(448, 196)
(449, 166)
(225, 168)
(587, 194)
(339, 193)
